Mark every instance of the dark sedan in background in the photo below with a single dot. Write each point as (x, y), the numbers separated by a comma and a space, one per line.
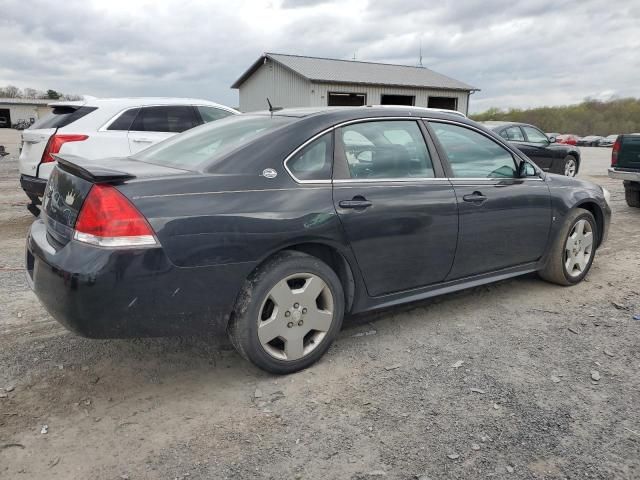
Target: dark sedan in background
(544, 151)
(273, 226)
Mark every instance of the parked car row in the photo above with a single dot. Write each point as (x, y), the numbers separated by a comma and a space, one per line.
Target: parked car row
(272, 226)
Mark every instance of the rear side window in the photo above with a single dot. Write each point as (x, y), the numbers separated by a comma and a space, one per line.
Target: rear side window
(210, 114)
(62, 116)
(472, 155)
(314, 161)
(124, 121)
(513, 134)
(385, 150)
(210, 142)
(169, 118)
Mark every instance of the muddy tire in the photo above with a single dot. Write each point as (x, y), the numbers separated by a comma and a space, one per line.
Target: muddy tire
(288, 313)
(573, 250)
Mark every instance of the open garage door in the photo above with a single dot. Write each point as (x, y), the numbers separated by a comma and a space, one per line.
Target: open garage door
(340, 99)
(5, 118)
(397, 100)
(449, 103)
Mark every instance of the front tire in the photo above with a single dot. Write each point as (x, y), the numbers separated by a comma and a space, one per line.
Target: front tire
(288, 313)
(570, 166)
(573, 250)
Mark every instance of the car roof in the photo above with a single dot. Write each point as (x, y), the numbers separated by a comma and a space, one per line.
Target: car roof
(493, 124)
(355, 113)
(124, 102)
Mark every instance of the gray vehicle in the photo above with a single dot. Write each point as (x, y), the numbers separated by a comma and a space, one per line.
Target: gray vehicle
(625, 166)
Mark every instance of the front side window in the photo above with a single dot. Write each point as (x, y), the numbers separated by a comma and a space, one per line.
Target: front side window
(385, 150)
(472, 155)
(534, 135)
(314, 161)
(168, 118)
(513, 134)
(210, 114)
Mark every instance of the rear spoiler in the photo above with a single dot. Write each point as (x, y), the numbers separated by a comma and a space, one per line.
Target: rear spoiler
(89, 170)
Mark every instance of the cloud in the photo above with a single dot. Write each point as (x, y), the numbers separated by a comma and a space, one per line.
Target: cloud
(519, 53)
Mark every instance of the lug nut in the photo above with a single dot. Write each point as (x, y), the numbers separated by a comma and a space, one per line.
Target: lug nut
(287, 313)
(300, 323)
(290, 324)
(304, 310)
(296, 305)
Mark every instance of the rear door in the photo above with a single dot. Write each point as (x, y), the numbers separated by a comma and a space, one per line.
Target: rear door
(504, 219)
(35, 138)
(156, 123)
(397, 209)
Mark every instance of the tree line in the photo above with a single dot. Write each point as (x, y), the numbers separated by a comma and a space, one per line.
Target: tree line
(591, 117)
(11, 91)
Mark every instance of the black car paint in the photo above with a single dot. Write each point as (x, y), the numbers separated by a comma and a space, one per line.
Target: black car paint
(549, 158)
(214, 229)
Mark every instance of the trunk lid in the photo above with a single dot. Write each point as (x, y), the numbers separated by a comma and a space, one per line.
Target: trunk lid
(71, 181)
(629, 153)
(34, 141)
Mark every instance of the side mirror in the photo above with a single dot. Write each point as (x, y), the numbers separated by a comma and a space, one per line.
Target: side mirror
(552, 139)
(525, 169)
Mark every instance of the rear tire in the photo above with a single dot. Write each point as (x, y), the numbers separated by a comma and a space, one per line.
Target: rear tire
(288, 313)
(632, 194)
(570, 166)
(569, 260)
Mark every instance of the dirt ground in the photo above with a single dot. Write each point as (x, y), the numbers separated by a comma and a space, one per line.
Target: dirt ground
(490, 382)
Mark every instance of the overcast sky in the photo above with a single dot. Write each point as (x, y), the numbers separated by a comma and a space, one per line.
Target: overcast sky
(519, 53)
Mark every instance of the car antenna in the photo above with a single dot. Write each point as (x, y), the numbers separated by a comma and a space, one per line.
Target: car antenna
(272, 108)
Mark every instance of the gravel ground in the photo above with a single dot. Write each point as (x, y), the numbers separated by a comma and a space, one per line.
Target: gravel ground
(496, 381)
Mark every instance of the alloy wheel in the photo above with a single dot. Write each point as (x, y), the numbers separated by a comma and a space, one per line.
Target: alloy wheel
(578, 248)
(570, 167)
(295, 316)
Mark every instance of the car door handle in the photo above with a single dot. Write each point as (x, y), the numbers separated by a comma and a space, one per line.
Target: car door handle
(475, 197)
(143, 140)
(357, 203)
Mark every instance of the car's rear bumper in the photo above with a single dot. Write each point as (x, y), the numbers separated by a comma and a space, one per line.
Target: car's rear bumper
(33, 187)
(624, 175)
(107, 293)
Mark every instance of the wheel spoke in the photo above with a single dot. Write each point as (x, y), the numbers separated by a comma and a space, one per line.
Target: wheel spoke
(293, 347)
(570, 263)
(270, 329)
(317, 319)
(281, 294)
(311, 290)
(587, 240)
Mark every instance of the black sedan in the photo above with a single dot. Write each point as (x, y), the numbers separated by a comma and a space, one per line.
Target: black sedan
(273, 226)
(544, 151)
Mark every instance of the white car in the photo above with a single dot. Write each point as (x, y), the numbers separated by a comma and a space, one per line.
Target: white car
(103, 128)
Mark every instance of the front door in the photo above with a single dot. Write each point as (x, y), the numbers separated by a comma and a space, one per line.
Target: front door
(536, 147)
(398, 211)
(504, 219)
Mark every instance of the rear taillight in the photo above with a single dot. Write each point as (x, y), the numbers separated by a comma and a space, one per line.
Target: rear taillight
(108, 219)
(55, 144)
(614, 152)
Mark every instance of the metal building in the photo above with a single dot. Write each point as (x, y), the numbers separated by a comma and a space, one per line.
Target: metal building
(15, 110)
(297, 81)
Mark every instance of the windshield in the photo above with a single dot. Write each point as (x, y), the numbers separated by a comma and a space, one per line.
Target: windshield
(209, 142)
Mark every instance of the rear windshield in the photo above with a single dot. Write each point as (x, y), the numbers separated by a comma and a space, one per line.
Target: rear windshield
(209, 142)
(62, 116)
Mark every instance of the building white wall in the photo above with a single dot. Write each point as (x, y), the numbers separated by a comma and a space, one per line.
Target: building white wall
(288, 89)
(283, 88)
(25, 112)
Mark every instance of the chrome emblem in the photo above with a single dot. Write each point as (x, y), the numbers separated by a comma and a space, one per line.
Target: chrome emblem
(269, 173)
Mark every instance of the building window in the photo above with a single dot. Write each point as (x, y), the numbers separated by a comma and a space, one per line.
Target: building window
(448, 103)
(397, 100)
(343, 99)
